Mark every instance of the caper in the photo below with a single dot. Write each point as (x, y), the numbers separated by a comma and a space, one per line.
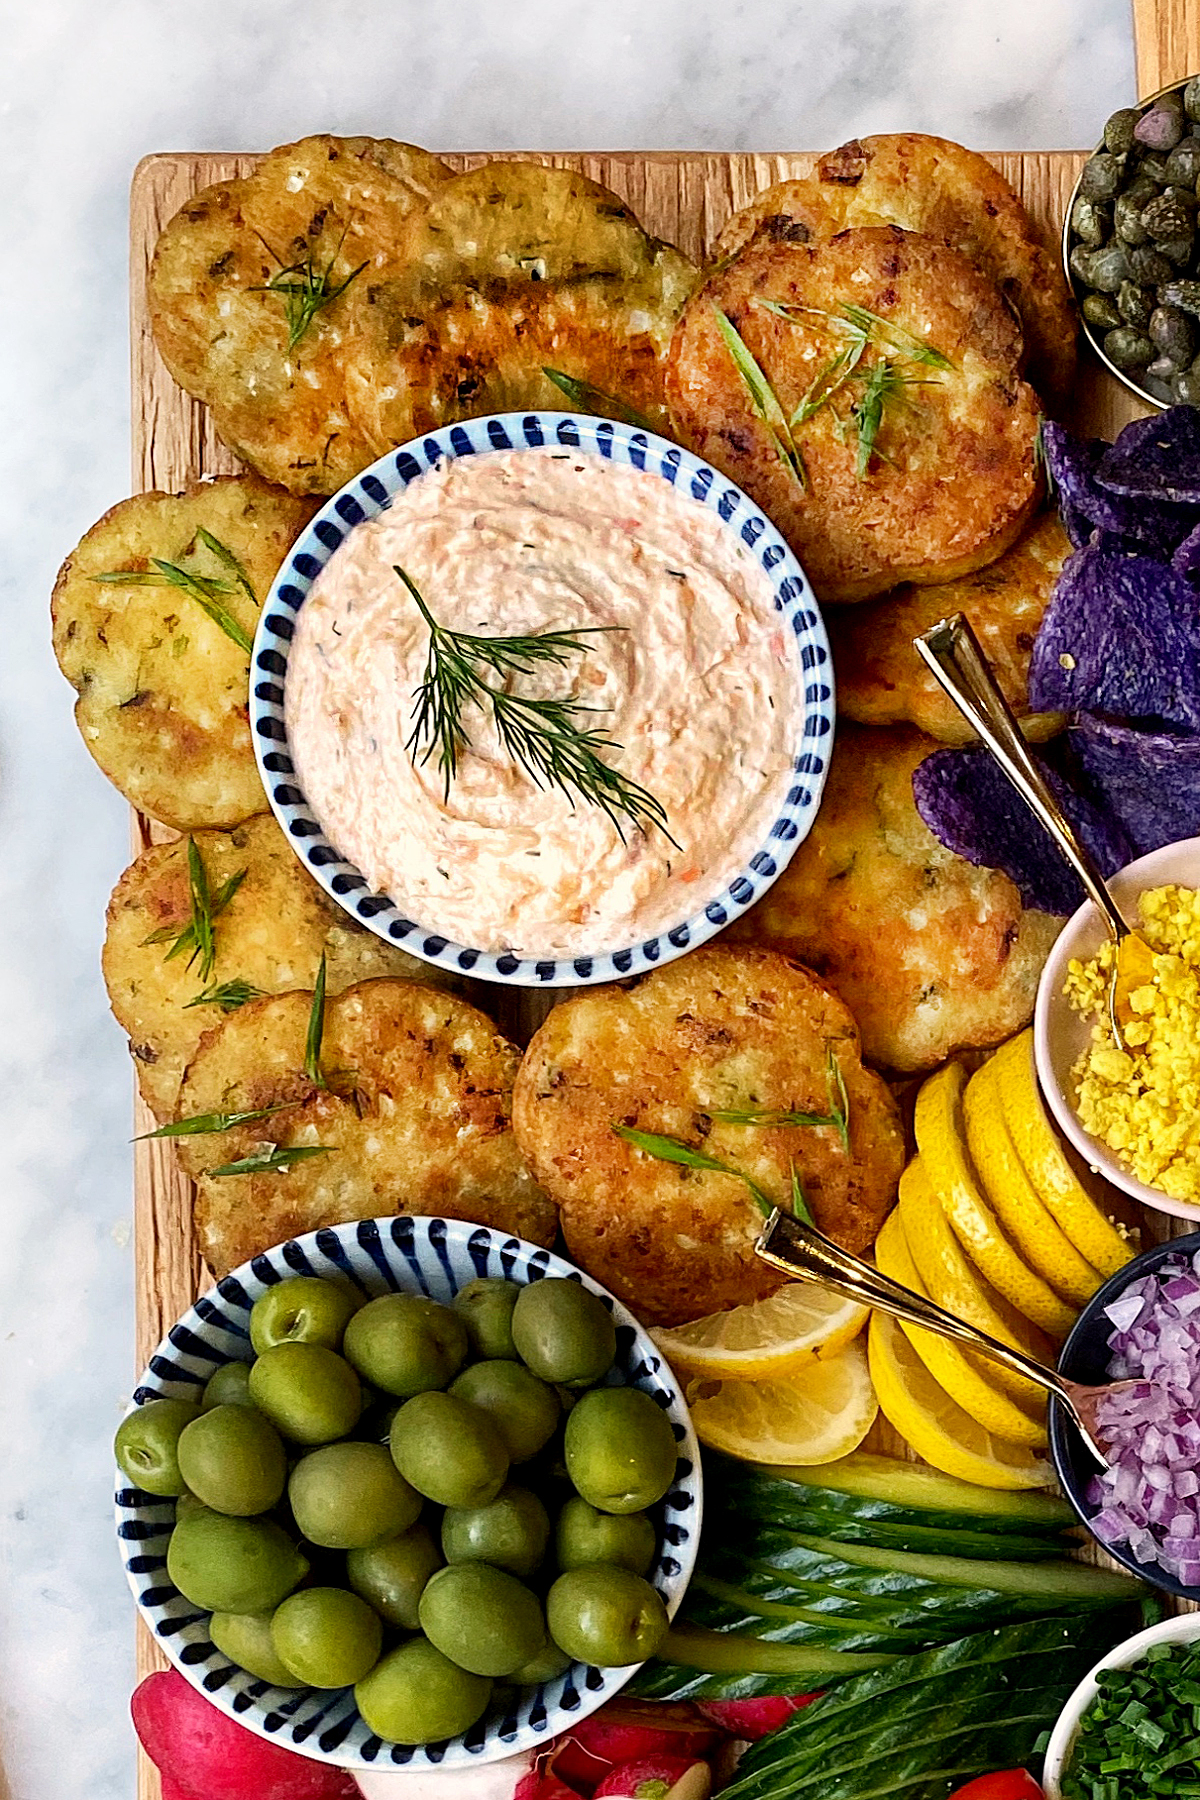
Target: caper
(1135, 304)
(1185, 294)
(1080, 263)
(1162, 127)
(1191, 98)
(1101, 176)
(1164, 217)
(1118, 130)
(1127, 348)
(1162, 369)
(1101, 311)
(1089, 222)
(1172, 332)
(1147, 264)
(1107, 269)
(1127, 217)
(1154, 168)
(1186, 388)
(1178, 251)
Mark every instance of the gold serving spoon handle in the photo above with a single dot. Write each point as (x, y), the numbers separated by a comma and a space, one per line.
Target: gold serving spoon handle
(800, 1251)
(955, 656)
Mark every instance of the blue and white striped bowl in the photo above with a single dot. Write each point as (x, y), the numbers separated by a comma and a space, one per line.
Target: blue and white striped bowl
(368, 494)
(379, 1256)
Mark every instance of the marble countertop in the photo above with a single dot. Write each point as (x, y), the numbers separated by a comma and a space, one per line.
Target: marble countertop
(86, 90)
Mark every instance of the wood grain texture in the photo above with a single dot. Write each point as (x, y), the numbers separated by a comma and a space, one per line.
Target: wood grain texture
(685, 198)
(1167, 41)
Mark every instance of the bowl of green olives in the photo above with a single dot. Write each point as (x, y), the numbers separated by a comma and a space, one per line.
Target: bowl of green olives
(408, 1493)
(1131, 246)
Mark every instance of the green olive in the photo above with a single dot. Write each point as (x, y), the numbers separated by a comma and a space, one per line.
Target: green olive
(451, 1451)
(233, 1459)
(415, 1695)
(406, 1344)
(547, 1665)
(620, 1450)
(606, 1616)
(510, 1532)
(586, 1535)
(147, 1444)
(233, 1565)
(245, 1638)
(564, 1332)
(309, 1393)
(351, 1496)
(303, 1310)
(327, 1637)
(483, 1619)
(228, 1386)
(392, 1576)
(525, 1409)
(486, 1309)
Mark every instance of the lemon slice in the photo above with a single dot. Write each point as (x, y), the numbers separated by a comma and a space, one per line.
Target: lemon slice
(1017, 1202)
(935, 1426)
(940, 1139)
(821, 1412)
(1045, 1162)
(952, 1280)
(970, 1380)
(766, 1339)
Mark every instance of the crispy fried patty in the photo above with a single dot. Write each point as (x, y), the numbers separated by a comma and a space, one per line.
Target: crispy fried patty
(727, 1029)
(951, 477)
(415, 1118)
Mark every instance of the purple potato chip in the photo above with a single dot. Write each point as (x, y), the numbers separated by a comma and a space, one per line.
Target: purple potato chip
(1186, 560)
(1086, 505)
(1156, 458)
(1120, 636)
(972, 808)
(1148, 780)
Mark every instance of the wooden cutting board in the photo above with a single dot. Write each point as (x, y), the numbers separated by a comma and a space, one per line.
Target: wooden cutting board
(682, 197)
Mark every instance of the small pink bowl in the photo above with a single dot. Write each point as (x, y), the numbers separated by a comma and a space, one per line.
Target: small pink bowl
(1061, 1035)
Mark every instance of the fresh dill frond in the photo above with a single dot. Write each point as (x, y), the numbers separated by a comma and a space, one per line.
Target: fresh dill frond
(228, 995)
(541, 735)
(762, 396)
(204, 1124)
(674, 1150)
(280, 1156)
(591, 399)
(305, 288)
(198, 937)
(208, 591)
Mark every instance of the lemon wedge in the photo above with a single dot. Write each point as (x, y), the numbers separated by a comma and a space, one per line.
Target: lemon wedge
(1045, 1162)
(952, 1280)
(970, 1380)
(766, 1339)
(942, 1143)
(821, 1412)
(1017, 1203)
(935, 1426)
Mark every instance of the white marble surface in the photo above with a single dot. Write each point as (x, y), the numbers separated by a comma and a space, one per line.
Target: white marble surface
(85, 90)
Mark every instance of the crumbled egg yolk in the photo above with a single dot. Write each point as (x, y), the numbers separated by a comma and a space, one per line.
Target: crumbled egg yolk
(1144, 1102)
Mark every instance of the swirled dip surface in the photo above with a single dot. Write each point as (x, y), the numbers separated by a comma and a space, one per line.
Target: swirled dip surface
(698, 687)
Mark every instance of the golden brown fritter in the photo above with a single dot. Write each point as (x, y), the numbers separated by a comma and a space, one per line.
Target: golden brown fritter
(951, 479)
(931, 953)
(415, 1119)
(930, 185)
(162, 687)
(882, 681)
(326, 213)
(727, 1029)
(269, 937)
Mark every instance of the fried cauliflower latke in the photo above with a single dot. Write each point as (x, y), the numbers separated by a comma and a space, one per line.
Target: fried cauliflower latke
(415, 1118)
(930, 185)
(882, 681)
(322, 218)
(268, 938)
(932, 954)
(162, 686)
(916, 462)
(722, 1030)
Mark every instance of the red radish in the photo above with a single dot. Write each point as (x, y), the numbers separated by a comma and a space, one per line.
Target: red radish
(542, 1783)
(657, 1778)
(205, 1756)
(753, 1719)
(626, 1729)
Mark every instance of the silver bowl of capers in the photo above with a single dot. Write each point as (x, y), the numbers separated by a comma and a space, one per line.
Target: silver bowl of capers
(1131, 246)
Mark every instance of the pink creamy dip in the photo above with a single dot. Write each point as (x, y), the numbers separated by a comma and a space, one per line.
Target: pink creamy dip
(699, 687)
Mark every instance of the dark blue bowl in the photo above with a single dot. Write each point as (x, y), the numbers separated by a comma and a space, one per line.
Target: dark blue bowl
(1084, 1358)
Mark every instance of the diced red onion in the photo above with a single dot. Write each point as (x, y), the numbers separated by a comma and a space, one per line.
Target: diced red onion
(1149, 1495)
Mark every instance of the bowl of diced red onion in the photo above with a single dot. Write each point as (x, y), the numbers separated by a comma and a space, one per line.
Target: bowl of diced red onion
(1144, 1506)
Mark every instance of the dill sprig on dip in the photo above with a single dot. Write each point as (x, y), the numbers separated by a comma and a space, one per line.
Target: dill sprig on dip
(304, 287)
(675, 1150)
(208, 591)
(540, 735)
(199, 936)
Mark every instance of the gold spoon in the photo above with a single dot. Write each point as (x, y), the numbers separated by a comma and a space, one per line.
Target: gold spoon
(799, 1250)
(953, 653)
